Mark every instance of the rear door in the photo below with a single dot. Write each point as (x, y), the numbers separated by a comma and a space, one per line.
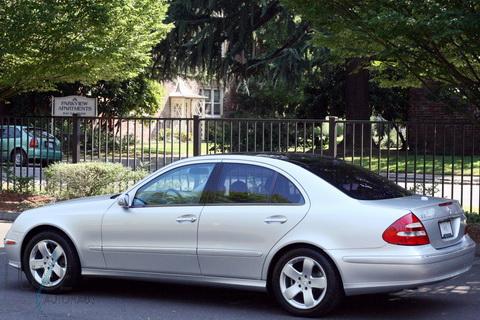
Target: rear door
(248, 209)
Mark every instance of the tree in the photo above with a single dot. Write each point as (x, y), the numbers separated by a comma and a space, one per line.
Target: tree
(232, 39)
(135, 96)
(44, 43)
(407, 43)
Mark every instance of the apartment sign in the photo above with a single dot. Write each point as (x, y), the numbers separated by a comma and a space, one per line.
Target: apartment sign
(79, 105)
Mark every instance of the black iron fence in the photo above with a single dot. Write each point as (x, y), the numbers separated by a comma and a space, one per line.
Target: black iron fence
(439, 159)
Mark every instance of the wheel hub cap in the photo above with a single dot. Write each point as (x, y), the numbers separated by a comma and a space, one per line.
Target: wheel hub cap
(48, 263)
(303, 282)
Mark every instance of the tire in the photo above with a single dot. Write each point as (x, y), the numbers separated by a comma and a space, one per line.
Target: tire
(306, 283)
(62, 265)
(22, 157)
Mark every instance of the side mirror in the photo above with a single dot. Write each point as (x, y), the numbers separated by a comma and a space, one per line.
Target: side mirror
(123, 200)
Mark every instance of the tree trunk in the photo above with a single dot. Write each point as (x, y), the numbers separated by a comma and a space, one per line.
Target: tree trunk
(357, 134)
(3, 109)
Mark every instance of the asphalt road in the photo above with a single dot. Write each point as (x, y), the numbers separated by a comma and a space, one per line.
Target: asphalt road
(119, 299)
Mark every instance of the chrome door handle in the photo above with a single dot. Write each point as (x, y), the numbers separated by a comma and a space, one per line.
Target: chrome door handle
(275, 219)
(187, 218)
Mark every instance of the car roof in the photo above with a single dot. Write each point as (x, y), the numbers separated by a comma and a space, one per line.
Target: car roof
(13, 126)
(302, 159)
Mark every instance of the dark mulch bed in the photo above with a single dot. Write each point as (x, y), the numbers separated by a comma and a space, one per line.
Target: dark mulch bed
(16, 202)
(474, 232)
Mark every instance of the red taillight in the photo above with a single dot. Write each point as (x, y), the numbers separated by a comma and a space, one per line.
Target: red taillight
(33, 143)
(407, 231)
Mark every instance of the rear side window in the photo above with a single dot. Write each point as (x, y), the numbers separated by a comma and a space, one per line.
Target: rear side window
(39, 133)
(250, 184)
(354, 181)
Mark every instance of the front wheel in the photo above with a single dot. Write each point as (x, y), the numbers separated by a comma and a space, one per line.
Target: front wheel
(50, 263)
(306, 283)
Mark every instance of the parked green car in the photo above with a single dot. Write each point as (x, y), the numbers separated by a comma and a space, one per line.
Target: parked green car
(22, 144)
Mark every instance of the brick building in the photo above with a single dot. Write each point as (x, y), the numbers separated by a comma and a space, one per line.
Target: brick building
(436, 127)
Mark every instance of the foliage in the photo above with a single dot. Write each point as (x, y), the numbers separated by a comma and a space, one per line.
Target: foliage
(222, 38)
(420, 188)
(19, 184)
(137, 96)
(473, 218)
(268, 136)
(406, 43)
(48, 42)
(66, 181)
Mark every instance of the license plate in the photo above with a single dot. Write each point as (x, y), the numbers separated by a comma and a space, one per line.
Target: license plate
(446, 229)
(50, 145)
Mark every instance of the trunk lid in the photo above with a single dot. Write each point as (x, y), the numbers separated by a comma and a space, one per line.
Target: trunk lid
(443, 219)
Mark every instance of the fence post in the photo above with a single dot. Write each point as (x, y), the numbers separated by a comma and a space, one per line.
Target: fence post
(197, 134)
(332, 136)
(76, 139)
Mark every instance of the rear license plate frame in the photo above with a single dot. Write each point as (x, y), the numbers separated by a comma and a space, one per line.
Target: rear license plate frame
(446, 229)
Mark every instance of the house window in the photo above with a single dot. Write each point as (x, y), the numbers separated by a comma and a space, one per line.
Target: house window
(213, 102)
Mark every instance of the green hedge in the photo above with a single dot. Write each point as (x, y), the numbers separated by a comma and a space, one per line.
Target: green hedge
(67, 180)
(473, 218)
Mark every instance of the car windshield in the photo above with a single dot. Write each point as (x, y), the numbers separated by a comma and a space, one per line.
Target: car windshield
(352, 180)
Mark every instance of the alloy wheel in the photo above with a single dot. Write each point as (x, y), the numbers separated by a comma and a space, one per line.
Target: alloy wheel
(48, 263)
(303, 282)
(19, 158)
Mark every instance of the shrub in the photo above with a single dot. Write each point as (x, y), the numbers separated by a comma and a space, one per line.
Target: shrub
(19, 184)
(473, 218)
(67, 181)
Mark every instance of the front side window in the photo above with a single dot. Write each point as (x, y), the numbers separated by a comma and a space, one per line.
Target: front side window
(180, 186)
(39, 133)
(250, 184)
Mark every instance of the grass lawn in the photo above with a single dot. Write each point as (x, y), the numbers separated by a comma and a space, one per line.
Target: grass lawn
(420, 164)
(411, 163)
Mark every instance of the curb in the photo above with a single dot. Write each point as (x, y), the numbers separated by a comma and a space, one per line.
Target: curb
(9, 216)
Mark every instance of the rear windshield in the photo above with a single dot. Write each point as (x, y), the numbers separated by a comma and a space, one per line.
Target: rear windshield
(39, 133)
(354, 181)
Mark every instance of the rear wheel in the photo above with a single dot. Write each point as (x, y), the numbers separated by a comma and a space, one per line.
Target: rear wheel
(19, 157)
(50, 263)
(306, 283)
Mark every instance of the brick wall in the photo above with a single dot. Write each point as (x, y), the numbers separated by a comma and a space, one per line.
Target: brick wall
(434, 127)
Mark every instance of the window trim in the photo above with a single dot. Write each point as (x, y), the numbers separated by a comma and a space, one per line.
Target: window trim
(200, 203)
(217, 171)
(211, 89)
(17, 132)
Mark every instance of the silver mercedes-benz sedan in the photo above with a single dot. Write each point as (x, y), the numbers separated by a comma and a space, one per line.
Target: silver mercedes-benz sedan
(308, 229)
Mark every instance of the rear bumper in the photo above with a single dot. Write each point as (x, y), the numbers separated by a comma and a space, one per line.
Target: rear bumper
(392, 271)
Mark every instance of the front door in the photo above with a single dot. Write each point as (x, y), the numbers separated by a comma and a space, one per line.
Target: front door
(159, 232)
(249, 209)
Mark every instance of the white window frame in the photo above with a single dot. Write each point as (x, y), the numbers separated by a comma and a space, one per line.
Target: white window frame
(212, 101)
